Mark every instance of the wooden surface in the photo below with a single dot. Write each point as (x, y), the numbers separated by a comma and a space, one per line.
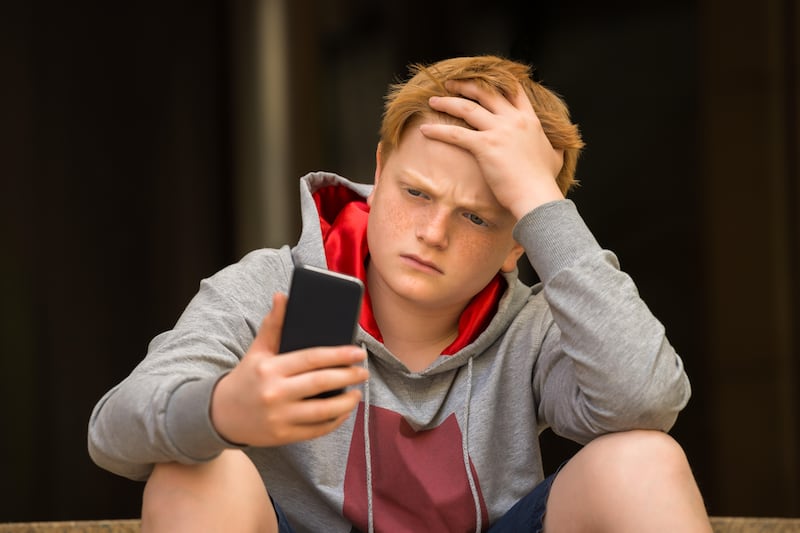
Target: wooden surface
(94, 526)
(720, 525)
(754, 525)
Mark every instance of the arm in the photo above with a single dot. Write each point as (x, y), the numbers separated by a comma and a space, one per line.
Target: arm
(605, 363)
(212, 381)
(133, 425)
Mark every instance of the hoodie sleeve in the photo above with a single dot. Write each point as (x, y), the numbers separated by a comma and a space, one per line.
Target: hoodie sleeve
(605, 363)
(160, 412)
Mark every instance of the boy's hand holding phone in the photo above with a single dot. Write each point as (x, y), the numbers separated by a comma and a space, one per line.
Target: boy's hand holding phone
(268, 398)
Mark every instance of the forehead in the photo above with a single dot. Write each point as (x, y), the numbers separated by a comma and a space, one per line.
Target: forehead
(440, 169)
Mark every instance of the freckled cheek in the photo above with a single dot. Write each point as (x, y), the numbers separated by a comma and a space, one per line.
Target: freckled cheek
(489, 252)
(477, 249)
(398, 220)
(393, 223)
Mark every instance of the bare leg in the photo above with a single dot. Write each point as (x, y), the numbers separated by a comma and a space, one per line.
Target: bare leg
(226, 494)
(627, 482)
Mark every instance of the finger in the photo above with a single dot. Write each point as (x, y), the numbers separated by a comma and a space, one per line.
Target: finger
(492, 100)
(473, 113)
(311, 431)
(315, 411)
(456, 135)
(311, 359)
(311, 384)
(519, 99)
(268, 338)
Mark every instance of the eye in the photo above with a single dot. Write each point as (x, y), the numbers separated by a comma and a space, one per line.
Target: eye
(416, 193)
(475, 219)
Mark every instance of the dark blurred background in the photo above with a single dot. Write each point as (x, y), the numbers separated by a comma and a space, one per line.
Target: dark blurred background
(143, 146)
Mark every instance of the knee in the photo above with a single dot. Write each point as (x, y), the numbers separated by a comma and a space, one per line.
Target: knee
(168, 483)
(637, 454)
(629, 481)
(165, 493)
(178, 494)
(171, 489)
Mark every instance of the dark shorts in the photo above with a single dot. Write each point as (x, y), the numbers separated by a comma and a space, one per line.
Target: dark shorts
(283, 523)
(526, 515)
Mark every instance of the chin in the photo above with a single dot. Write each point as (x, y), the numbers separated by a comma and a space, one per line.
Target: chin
(427, 297)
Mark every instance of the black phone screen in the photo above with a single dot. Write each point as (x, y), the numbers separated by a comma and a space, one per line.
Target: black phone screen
(323, 309)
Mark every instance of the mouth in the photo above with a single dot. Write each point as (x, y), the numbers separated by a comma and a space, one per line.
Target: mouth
(422, 264)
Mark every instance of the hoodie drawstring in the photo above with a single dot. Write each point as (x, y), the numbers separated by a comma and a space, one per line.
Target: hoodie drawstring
(464, 449)
(367, 454)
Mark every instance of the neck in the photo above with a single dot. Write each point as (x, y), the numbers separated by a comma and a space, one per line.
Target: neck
(415, 335)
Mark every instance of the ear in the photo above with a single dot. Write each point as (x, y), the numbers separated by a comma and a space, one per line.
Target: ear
(377, 177)
(513, 256)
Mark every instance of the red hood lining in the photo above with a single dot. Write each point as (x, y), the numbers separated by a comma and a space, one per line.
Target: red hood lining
(343, 216)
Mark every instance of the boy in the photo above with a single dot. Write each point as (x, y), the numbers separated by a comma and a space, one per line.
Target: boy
(460, 366)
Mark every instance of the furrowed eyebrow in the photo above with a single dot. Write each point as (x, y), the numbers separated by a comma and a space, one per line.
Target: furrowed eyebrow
(415, 180)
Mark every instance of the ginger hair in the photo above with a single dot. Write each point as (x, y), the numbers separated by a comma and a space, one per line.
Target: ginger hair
(407, 103)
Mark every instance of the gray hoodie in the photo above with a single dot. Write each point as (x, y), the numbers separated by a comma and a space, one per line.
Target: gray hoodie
(450, 448)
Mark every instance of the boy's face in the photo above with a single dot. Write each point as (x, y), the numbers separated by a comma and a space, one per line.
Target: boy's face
(436, 233)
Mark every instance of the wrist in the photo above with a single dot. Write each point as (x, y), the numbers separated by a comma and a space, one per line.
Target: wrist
(216, 411)
(534, 197)
(188, 423)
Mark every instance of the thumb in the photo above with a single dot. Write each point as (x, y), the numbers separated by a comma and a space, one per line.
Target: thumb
(268, 339)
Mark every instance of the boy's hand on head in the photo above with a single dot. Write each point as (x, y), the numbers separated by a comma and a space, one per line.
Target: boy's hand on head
(516, 158)
(262, 401)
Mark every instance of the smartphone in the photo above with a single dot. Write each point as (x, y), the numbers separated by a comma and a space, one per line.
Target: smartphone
(323, 310)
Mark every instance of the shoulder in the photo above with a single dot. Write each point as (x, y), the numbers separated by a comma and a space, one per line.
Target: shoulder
(259, 266)
(523, 313)
(251, 282)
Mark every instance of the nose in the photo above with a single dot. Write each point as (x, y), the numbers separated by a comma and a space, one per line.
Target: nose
(432, 228)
